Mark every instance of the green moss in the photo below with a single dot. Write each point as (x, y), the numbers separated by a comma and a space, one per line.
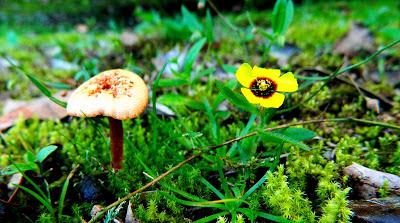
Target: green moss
(284, 201)
(384, 190)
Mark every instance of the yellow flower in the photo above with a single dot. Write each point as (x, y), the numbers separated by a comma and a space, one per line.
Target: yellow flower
(262, 86)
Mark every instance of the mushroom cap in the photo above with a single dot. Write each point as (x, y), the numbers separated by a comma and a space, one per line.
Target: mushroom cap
(117, 93)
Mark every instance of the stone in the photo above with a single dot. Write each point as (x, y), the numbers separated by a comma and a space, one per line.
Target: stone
(366, 182)
(382, 210)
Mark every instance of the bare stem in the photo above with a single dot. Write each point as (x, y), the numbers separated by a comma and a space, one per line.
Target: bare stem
(116, 143)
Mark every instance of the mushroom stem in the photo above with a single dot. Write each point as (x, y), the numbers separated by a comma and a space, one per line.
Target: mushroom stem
(116, 143)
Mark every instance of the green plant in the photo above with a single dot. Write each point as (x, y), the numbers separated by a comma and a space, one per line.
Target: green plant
(44, 197)
(32, 162)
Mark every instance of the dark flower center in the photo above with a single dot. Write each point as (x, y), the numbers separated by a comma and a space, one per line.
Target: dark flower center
(263, 87)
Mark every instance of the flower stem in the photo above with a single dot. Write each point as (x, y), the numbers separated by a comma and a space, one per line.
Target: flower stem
(116, 143)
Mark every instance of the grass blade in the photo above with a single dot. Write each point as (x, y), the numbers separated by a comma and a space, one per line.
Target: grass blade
(268, 136)
(64, 192)
(212, 188)
(191, 203)
(211, 217)
(209, 28)
(31, 182)
(236, 99)
(255, 186)
(192, 55)
(213, 122)
(39, 198)
(45, 91)
(273, 217)
(154, 105)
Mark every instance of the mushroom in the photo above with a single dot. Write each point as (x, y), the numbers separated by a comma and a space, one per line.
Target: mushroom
(119, 95)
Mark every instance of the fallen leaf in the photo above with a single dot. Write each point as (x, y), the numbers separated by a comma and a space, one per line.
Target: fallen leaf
(4, 64)
(373, 104)
(162, 110)
(175, 54)
(62, 65)
(14, 181)
(41, 107)
(129, 39)
(95, 209)
(356, 39)
(283, 54)
(129, 215)
(81, 28)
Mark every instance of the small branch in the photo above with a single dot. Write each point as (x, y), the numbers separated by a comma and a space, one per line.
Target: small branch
(222, 17)
(151, 183)
(339, 72)
(207, 148)
(365, 91)
(15, 191)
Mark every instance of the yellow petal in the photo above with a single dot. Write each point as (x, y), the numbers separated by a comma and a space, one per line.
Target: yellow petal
(273, 74)
(274, 101)
(287, 83)
(243, 75)
(250, 96)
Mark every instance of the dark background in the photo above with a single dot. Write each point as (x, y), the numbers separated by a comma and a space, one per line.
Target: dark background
(77, 11)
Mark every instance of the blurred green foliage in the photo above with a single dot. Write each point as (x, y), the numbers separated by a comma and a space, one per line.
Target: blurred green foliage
(195, 90)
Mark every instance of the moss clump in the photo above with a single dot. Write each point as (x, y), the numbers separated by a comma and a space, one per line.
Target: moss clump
(335, 209)
(284, 201)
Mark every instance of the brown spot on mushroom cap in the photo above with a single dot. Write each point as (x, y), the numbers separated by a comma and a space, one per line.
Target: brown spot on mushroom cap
(114, 83)
(117, 93)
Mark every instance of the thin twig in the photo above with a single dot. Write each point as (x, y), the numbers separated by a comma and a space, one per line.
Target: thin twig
(16, 190)
(230, 25)
(363, 89)
(339, 72)
(222, 17)
(207, 148)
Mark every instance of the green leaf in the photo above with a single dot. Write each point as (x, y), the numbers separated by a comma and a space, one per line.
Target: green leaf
(192, 55)
(192, 203)
(213, 122)
(209, 28)
(15, 168)
(299, 134)
(64, 192)
(212, 188)
(58, 85)
(35, 185)
(202, 73)
(273, 217)
(173, 99)
(255, 186)
(29, 157)
(244, 131)
(221, 97)
(211, 217)
(190, 20)
(282, 16)
(236, 99)
(45, 152)
(274, 136)
(42, 200)
(45, 91)
(229, 68)
(173, 82)
(154, 122)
